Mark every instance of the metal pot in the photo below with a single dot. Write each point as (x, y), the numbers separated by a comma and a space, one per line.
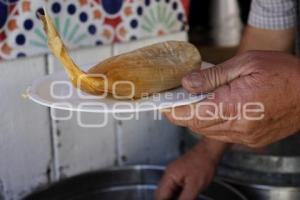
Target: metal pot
(262, 177)
(125, 183)
(266, 192)
(270, 173)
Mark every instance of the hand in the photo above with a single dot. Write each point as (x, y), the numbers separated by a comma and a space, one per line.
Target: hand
(191, 173)
(266, 81)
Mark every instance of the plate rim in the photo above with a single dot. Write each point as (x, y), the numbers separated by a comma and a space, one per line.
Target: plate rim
(32, 95)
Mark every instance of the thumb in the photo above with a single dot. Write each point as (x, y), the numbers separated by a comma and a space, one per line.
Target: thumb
(202, 81)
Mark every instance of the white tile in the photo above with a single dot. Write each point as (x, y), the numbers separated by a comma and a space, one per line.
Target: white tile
(129, 46)
(25, 150)
(146, 140)
(81, 149)
(149, 141)
(84, 149)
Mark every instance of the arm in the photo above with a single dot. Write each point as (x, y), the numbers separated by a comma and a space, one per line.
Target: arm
(264, 39)
(271, 26)
(264, 32)
(193, 172)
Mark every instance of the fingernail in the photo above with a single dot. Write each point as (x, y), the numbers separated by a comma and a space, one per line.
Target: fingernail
(192, 80)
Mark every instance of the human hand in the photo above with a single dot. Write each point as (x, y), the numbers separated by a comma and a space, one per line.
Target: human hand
(191, 173)
(256, 99)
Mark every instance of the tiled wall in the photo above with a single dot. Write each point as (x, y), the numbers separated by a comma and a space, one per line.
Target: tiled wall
(36, 150)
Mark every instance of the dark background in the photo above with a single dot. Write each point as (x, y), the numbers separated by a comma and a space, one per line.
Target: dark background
(200, 30)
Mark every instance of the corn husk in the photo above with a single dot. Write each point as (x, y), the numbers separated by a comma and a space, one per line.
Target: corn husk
(139, 73)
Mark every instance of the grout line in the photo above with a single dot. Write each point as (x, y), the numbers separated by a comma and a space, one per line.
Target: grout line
(55, 155)
(118, 142)
(55, 175)
(118, 132)
(112, 53)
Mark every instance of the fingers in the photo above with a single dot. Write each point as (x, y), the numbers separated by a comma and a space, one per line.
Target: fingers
(195, 116)
(223, 107)
(166, 189)
(226, 137)
(202, 81)
(180, 115)
(220, 138)
(169, 188)
(191, 191)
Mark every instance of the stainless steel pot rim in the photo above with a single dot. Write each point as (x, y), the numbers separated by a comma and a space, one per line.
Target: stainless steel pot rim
(154, 187)
(129, 187)
(140, 187)
(263, 187)
(162, 168)
(134, 167)
(230, 188)
(263, 163)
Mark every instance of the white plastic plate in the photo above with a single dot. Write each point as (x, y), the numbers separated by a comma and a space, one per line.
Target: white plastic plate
(56, 91)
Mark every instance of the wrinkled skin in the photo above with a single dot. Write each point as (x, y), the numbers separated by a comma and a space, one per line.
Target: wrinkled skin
(271, 78)
(190, 174)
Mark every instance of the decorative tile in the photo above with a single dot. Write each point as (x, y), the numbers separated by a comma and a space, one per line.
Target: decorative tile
(86, 22)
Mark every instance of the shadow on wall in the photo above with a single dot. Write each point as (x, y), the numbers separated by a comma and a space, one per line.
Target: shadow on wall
(1, 190)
